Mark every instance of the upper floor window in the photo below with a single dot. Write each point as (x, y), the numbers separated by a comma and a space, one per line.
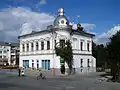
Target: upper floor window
(88, 62)
(37, 46)
(48, 45)
(62, 43)
(88, 46)
(81, 46)
(27, 47)
(32, 46)
(42, 45)
(0, 56)
(23, 47)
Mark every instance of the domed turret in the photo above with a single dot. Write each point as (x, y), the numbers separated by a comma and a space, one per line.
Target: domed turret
(61, 20)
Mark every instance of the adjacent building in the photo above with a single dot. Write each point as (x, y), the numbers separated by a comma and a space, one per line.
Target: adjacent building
(9, 53)
(37, 48)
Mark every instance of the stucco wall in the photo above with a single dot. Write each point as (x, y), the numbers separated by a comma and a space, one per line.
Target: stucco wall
(53, 63)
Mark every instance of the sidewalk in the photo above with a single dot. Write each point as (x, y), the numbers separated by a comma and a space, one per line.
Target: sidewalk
(34, 73)
(48, 74)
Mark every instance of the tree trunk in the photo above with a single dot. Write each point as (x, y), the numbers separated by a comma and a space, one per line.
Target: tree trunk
(114, 70)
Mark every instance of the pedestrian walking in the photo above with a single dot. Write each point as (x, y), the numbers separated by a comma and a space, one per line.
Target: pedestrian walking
(22, 73)
(40, 75)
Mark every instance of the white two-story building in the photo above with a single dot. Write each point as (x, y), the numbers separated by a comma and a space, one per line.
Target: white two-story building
(37, 48)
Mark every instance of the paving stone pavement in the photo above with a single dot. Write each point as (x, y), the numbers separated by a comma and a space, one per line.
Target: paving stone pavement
(10, 81)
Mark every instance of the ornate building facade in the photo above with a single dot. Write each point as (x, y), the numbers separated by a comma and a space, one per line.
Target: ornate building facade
(37, 48)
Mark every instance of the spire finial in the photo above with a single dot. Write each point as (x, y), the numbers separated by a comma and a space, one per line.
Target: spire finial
(78, 18)
(61, 11)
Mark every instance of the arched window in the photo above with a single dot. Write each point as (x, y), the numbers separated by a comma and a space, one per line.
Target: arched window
(42, 45)
(48, 45)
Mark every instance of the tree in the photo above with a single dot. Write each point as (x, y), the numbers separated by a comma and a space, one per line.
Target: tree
(98, 52)
(114, 54)
(66, 53)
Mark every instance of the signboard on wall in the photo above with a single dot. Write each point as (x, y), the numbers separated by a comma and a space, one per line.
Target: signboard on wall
(62, 61)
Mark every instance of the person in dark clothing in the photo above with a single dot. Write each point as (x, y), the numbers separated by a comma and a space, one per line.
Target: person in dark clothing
(41, 75)
(19, 71)
(63, 69)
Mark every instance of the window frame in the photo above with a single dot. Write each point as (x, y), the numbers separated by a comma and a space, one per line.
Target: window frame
(48, 45)
(42, 45)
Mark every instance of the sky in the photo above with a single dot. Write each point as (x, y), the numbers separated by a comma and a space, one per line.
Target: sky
(18, 17)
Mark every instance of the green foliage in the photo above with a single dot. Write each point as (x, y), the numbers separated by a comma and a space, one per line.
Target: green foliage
(66, 53)
(114, 53)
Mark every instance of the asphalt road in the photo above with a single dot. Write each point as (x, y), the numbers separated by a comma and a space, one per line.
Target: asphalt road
(79, 82)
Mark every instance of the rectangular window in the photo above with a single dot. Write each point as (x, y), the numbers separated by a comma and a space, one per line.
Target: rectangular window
(88, 62)
(81, 46)
(27, 47)
(37, 46)
(88, 46)
(62, 43)
(23, 47)
(42, 45)
(0, 56)
(46, 64)
(31, 46)
(48, 45)
(81, 63)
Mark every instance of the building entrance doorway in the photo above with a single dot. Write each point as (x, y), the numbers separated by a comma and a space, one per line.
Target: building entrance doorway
(26, 63)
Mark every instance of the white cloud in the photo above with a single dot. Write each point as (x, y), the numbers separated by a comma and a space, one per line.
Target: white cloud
(87, 26)
(42, 2)
(104, 37)
(14, 21)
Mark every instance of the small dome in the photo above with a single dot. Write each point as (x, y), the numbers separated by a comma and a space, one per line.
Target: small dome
(58, 18)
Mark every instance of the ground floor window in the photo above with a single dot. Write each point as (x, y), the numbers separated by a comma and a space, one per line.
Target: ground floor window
(32, 65)
(37, 64)
(46, 64)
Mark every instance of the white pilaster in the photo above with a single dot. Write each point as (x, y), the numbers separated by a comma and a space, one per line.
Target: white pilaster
(25, 47)
(21, 47)
(39, 44)
(45, 45)
(34, 46)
